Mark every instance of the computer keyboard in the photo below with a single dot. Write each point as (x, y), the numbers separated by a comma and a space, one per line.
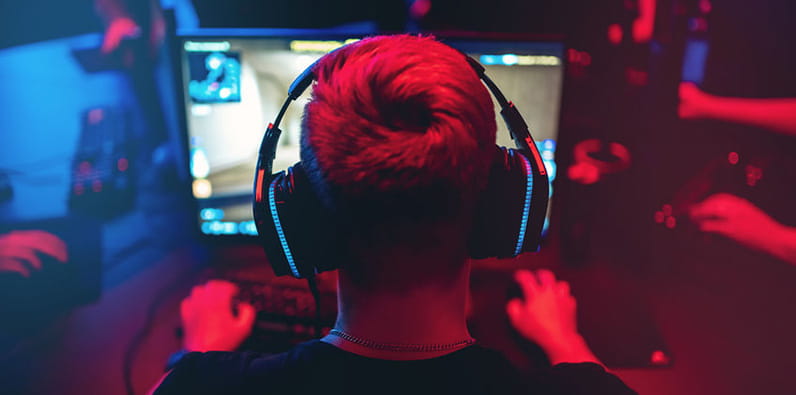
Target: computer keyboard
(285, 314)
(287, 302)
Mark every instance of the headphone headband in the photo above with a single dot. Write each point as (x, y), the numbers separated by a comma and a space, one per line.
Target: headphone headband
(511, 116)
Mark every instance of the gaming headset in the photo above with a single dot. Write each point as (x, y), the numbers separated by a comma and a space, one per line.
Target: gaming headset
(301, 238)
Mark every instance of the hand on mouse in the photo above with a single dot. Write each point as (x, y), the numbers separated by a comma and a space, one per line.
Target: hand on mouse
(208, 320)
(547, 316)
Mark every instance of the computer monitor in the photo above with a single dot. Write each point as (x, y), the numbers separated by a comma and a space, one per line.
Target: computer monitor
(234, 81)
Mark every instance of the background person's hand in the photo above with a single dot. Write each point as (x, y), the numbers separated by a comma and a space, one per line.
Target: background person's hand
(694, 103)
(119, 29)
(21, 250)
(735, 218)
(209, 323)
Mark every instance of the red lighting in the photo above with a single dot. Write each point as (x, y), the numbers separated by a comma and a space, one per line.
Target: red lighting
(733, 158)
(419, 9)
(667, 210)
(659, 217)
(753, 175)
(671, 222)
(658, 357)
(636, 77)
(535, 152)
(705, 6)
(584, 173)
(698, 24)
(96, 186)
(122, 164)
(615, 34)
(84, 167)
(644, 25)
(258, 193)
(95, 116)
(581, 58)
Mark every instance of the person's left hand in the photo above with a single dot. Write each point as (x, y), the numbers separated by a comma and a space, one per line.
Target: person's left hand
(735, 218)
(209, 323)
(20, 249)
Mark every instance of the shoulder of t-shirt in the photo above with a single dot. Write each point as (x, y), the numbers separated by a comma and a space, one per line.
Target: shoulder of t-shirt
(585, 378)
(221, 372)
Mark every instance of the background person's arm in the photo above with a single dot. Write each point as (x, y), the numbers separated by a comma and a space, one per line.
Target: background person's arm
(21, 251)
(777, 115)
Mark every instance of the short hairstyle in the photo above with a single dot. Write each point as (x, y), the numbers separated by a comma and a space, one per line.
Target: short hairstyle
(399, 133)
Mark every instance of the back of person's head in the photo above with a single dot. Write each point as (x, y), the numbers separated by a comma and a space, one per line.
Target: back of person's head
(397, 140)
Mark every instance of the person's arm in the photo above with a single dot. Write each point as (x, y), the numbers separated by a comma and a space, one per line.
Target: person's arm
(209, 323)
(740, 220)
(546, 316)
(776, 114)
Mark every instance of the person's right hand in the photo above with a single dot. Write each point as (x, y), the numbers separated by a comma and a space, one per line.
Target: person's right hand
(547, 313)
(546, 316)
(19, 250)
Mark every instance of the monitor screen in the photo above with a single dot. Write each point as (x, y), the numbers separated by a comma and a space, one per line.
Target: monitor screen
(234, 84)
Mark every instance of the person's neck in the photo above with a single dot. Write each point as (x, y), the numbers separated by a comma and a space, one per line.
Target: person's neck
(432, 314)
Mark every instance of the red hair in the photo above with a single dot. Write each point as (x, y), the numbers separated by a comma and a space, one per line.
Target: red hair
(398, 125)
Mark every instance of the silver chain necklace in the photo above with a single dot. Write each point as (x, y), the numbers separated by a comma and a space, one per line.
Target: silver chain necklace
(401, 347)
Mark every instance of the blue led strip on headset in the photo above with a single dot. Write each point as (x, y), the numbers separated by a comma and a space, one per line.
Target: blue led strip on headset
(279, 231)
(527, 207)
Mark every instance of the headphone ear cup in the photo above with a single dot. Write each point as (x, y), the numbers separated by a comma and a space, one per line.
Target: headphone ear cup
(500, 227)
(296, 231)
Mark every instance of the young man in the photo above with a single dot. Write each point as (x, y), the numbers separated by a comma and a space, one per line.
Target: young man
(398, 138)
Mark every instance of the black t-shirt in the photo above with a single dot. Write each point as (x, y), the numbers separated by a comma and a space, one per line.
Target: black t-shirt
(316, 367)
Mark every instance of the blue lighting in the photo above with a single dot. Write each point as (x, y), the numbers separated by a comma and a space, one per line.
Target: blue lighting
(694, 60)
(545, 227)
(547, 149)
(490, 59)
(247, 228)
(215, 227)
(527, 207)
(219, 228)
(279, 231)
(210, 214)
